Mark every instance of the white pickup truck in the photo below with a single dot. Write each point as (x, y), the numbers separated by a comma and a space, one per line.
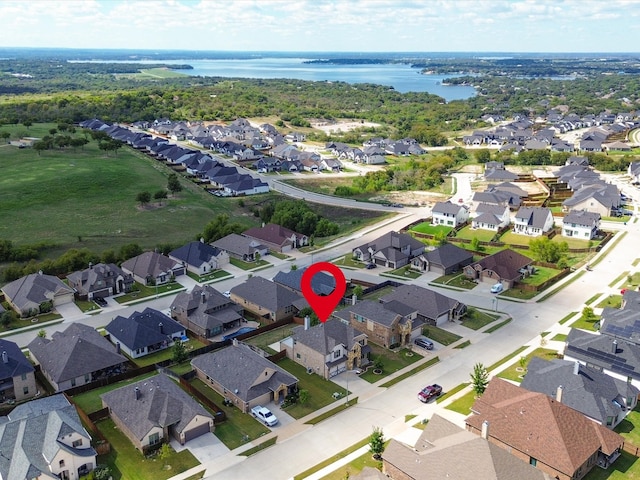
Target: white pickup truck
(264, 415)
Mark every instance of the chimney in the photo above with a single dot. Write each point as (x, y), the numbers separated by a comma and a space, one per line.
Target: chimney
(354, 299)
(485, 429)
(234, 342)
(307, 322)
(614, 347)
(90, 265)
(117, 347)
(161, 327)
(5, 357)
(203, 296)
(137, 392)
(559, 393)
(576, 368)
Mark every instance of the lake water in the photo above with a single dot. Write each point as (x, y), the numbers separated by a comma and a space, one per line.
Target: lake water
(400, 76)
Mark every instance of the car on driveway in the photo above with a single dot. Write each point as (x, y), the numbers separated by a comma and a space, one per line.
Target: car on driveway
(424, 343)
(497, 288)
(429, 392)
(264, 415)
(100, 301)
(371, 266)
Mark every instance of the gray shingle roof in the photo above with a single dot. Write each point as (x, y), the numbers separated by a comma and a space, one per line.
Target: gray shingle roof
(445, 450)
(16, 364)
(161, 403)
(238, 244)
(74, 352)
(391, 240)
(265, 293)
(207, 307)
(325, 336)
(490, 208)
(239, 368)
(321, 283)
(150, 264)
(374, 311)
(98, 277)
(142, 329)
(448, 255)
(32, 433)
(589, 391)
(446, 207)
(582, 217)
(534, 216)
(428, 303)
(31, 290)
(195, 253)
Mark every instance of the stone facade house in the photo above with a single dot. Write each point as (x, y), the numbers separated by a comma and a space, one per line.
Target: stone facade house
(17, 375)
(392, 250)
(506, 266)
(276, 237)
(101, 280)
(328, 348)
(27, 295)
(266, 299)
(152, 268)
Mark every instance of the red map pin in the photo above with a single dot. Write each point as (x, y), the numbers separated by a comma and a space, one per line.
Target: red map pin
(323, 305)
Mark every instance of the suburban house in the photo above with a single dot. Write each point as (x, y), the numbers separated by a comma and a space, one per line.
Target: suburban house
(432, 308)
(266, 299)
(449, 214)
(28, 295)
(634, 171)
(499, 174)
(241, 247)
(532, 221)
(444, 260)
(389, 325)
(101, 280)
(597, 198)
(153, 410)
(506, 266)
(321, 283)
(392, 249)
(543, 432)
(244, 377)
(444, 450)
(580, 224)
(200, 257)
(205, 311)
(603, 399)
(152, 268)
(144, 332)
(616, 357)
(44, 439)
(491, 217)
(17, 375)
(76, 356)
(276, 237)
(328, 348)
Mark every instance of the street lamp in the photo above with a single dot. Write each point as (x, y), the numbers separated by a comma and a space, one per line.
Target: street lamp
(495, 304)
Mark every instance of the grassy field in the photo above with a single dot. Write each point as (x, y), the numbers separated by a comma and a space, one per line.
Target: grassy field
(613, 301)
(90, 401)
(475, 319)
(392, 361)
(587, 323)
(443, 337)
(265, 339)
(515, 372)
(428, 228)
(541, 275)
(479, 233)
(456, 280)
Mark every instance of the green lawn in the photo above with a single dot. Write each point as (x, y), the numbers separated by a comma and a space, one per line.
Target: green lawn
(207, 277)
(332, 459)
(566, 318)
(144, 291)
(511, 238)
(348, 261)
(248, 265)
(627, 467)
(613, 301)
(86, 305)
(404, 272)
(239, 428)
(618, 279)
(497, 326)
(378, 293)
(629, 428)
(354, 467)
(479, 233)
(440, 335)
(560, 337)
(456, 280)
(429, 229)
(475, 319)
(265, 339)
(587, 323)
(392, 361)
(574, 242)
(432, 361)
(518, 293)
(463, 404)
(541, 275)
(632, 282)
(279, 255)
(127, 463)
(320, 390)
(166, 354)
(90, 401)
(515, 372)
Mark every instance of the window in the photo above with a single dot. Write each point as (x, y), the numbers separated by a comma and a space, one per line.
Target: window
(25, 390)
(336, 354)
(297, 355)
(609, 421)
(87, 378)
(154, 439)
(76, 443)
(533, 461)
(73, 382)
(23, 376)
(61, 463)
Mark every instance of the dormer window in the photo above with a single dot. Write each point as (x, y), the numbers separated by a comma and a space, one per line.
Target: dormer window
(77, 443)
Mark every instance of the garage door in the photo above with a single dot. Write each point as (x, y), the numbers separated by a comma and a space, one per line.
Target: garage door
(196, 431)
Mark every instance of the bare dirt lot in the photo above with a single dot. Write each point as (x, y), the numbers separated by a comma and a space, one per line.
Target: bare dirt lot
(342, 125)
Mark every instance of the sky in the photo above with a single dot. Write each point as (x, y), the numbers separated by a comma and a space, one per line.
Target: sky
(325, 25)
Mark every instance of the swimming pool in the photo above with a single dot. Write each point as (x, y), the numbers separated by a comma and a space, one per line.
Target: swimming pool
(238, 333)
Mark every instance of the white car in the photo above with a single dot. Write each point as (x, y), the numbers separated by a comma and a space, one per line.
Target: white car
(227, 294)
(497, 288)
(264, 415)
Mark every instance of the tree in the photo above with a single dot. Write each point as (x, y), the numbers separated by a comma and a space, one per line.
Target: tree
(160, 195)
(376, 443)
(475, 244)
(128, 251)
(40, 146)
(479, 378)
(27, 123)
(165, 453)
(173, 184)
(143, 198)
(483, 156)
(587, 313)
(42, 333)
(303, 396)
(179, 352)
(6, 318)
(545, 250)
(357, 291)
(220, 227)
(5, 136)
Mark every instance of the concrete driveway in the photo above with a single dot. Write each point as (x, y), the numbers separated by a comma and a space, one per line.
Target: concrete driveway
(205, 448)
(284, 418)
(69, 311)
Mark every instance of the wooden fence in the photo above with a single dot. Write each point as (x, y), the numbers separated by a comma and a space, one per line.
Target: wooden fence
(101, 445)
(218, 414)
(631, 448)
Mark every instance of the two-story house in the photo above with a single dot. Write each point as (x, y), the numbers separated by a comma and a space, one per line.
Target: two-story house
(491, 217)
(449, 214)
(101, 280)
(392, 250)
(580, 224)
(328, 348)
(17, 375)
(266, 299)
(532, 221)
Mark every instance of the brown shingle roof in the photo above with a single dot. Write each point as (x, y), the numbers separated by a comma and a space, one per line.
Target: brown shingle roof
(505, 263)
(540, 427)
